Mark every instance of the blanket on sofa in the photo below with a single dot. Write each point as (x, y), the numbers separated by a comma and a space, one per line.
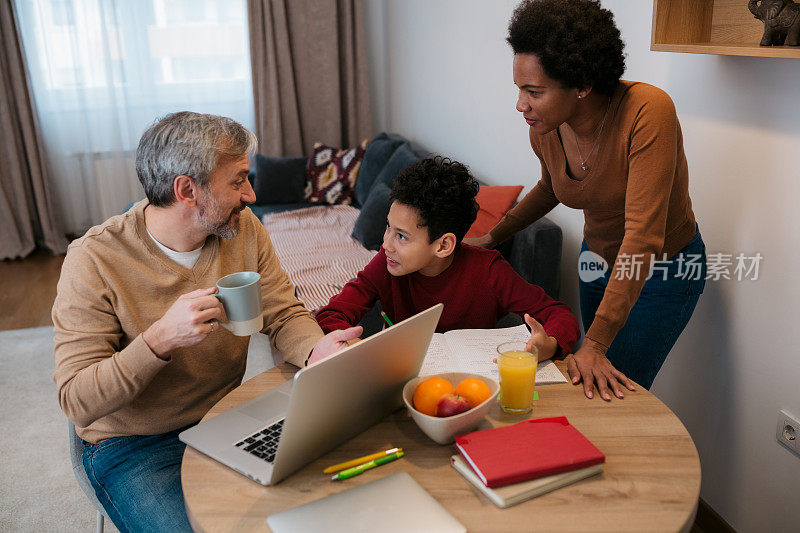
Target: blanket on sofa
(316, 250)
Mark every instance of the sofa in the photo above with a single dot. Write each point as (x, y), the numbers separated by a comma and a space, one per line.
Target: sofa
(281, 186)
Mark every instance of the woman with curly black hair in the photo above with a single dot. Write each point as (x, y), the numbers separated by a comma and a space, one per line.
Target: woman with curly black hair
(614, 149)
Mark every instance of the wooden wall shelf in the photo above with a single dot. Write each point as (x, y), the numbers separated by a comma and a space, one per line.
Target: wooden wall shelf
(724, 27)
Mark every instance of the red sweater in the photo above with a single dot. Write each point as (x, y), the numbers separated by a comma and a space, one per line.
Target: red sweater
(477, 289)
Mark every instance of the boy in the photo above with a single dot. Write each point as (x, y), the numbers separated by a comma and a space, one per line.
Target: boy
(423, 262)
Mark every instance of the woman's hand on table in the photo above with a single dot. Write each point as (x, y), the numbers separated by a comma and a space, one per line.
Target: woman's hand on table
(484, 241)
(590, 364)
(546, 345)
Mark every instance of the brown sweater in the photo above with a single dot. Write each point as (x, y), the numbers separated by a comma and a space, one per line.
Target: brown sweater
(635, 198)
(115, 282)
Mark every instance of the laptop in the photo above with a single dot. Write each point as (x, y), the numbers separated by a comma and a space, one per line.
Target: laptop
(275, 434)
(394, 503)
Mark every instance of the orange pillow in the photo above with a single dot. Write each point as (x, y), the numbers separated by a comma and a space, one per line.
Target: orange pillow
(493, 202)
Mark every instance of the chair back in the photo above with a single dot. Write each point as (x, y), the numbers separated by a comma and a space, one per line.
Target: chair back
(76, 456)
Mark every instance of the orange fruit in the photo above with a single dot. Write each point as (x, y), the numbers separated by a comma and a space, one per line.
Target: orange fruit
(474, 390)
(429, 392)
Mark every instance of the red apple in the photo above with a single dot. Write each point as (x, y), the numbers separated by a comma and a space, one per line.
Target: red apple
(451, 404)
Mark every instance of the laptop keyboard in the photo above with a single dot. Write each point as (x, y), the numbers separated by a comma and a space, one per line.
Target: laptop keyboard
(264, 443)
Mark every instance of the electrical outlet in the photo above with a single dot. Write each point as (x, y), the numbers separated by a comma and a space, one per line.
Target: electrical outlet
(788, 432)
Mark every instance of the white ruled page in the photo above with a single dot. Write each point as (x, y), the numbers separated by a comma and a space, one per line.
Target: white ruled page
(474, 350)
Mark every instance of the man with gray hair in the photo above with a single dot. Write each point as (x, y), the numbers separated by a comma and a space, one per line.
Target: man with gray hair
(138, 355)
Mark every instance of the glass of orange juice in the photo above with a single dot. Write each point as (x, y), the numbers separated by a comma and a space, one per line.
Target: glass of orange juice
(517, 367)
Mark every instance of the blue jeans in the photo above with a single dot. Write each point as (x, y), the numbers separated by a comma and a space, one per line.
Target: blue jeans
(658, 317)
(138, 481)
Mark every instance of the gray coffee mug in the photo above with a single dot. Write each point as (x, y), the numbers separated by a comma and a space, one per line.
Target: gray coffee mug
(240, 294)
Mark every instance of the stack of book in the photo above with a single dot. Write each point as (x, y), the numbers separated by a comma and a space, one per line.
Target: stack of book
(515, 463)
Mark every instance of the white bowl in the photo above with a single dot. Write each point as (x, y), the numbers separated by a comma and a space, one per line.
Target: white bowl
(443, 430)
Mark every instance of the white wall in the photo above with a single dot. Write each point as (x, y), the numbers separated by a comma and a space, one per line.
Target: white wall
(443, 78)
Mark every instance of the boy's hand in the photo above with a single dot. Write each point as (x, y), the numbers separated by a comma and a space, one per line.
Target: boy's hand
(333, 342)
(545, 344)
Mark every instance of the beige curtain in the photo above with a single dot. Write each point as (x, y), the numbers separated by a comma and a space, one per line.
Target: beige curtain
(309, 74)
(26, 212)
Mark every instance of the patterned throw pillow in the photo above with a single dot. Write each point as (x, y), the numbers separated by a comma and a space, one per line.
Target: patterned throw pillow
(331, 174)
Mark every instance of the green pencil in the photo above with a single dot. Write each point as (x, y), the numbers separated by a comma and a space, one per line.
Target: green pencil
(386, 318)
(356, 470)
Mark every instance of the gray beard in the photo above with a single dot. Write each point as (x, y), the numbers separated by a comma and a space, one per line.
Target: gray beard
(227, 229)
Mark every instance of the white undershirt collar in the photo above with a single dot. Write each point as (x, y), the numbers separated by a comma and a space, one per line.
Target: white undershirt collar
(186, 259)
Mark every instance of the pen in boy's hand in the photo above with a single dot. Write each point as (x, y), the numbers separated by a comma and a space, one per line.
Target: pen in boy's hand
(386, 318)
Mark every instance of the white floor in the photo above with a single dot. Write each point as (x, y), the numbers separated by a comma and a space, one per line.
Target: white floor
(37, 489)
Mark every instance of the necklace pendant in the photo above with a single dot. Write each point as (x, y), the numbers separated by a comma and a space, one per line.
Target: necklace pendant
(583, 167)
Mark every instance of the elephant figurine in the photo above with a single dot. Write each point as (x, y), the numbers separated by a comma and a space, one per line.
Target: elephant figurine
(781, 20)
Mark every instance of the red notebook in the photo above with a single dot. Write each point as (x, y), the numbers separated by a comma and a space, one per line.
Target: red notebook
(530, 449)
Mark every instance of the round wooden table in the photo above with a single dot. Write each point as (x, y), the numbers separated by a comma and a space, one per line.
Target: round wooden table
(650, 482)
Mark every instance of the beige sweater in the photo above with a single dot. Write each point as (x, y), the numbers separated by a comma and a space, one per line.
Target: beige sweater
(635, 198)
(115, 282)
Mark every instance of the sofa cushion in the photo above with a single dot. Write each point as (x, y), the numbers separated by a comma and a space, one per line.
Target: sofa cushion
(416, 149)
(378, 152)
(331, 173)
(371, 222)
(279, 180)
(261, 210)
(401, 158)
(493, 202)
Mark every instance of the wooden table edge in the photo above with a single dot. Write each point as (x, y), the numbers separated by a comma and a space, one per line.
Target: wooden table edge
(281, 373)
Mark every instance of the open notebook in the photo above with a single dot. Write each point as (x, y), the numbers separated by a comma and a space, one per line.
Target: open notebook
(472, 350)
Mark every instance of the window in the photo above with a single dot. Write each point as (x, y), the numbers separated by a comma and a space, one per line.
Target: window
(169, 46)
(103, 70)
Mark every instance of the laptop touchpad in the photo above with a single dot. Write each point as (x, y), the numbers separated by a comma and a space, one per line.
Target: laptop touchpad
(267, 407)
